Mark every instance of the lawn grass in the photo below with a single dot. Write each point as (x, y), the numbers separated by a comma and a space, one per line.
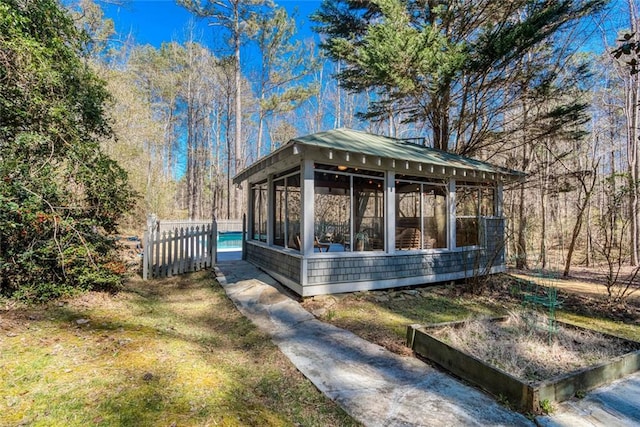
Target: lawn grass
(616, 328)
(161, 353)
(382, 317)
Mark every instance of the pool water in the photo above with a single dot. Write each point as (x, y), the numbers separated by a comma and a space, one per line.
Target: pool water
(230, 241)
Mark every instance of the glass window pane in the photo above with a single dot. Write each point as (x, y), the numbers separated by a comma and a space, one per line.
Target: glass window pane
(332, 201)
(466, 201)
(466, 231)
(467, 209)
(408, 217)
(264, 194)
(368, 196)
(434, 209)
(293, 206)
(279, 211)
(487, 202)
(473, 200)
(255, 225)
(259, 226)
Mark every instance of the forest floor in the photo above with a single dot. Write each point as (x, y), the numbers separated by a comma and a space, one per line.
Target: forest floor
(161, 352)
(585, 292)
(585, 280)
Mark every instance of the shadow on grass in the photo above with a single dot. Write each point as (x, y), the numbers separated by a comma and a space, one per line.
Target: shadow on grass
(203, 317)
(163, 352)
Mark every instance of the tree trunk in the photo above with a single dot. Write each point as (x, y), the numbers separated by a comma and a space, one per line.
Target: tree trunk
(237, 199)
(440, 120)
(544, 186)
(543, 230)
(632, 158)
(229, 157)
(260, 131)
(521, 246)
(632, 112)
(572, 244)
(190, 146)
(588, 191)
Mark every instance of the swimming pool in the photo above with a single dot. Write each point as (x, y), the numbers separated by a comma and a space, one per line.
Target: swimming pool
(229, 241)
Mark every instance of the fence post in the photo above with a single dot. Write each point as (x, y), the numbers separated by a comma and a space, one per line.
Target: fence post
(163, 263)
(176, 251)
(150, 249)
(214, 242)
(155, 254)
(192, 248)
(183, 252)
(244, 238)
(145, 255)
(199, 247)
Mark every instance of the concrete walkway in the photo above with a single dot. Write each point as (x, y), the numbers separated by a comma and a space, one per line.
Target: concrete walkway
(380, 388)
(613, 405)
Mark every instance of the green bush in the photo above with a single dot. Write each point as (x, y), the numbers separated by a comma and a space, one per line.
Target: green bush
(60, 194)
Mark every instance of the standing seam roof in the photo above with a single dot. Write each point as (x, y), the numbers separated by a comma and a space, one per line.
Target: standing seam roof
(354, 141)
(386, 147)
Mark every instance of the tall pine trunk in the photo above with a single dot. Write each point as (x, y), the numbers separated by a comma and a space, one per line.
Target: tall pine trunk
(237, 193)
(632, 111)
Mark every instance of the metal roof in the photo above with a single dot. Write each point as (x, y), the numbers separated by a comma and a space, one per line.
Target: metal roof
(363, 143)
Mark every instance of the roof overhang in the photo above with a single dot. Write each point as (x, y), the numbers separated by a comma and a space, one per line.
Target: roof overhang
(282, 159)
(362, 150)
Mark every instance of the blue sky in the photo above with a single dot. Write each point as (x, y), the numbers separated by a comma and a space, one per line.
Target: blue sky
(156, 21)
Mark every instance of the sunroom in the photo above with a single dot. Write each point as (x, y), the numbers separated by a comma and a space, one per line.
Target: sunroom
(344, 210)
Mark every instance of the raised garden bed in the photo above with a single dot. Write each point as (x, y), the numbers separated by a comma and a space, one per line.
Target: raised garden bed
(510, 370)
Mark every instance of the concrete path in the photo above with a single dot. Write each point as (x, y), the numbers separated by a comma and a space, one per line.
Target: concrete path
(614, 405)
(380, 388)
(373, 385)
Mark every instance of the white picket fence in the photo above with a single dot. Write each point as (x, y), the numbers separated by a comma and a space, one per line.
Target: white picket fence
(169, 252)
(224, 225)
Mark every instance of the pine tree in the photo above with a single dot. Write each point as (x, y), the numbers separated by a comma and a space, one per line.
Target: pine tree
(450, 65)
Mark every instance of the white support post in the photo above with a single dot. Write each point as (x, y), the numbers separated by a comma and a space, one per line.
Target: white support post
(352, 215)
(250, 208)
(498, 199)
(308, 215)
(271, 210)
(452, 214)
(390, 212)
(145, 255)
(213, 243)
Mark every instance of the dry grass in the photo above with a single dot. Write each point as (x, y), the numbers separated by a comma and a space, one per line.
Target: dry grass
(164, 352)
(524, 346)
(382, 317)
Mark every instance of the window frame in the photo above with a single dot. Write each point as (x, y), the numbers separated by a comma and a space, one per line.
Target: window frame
(366, 174)
(285, 177)
(423, 183)
(263, 188)
(479, 188)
